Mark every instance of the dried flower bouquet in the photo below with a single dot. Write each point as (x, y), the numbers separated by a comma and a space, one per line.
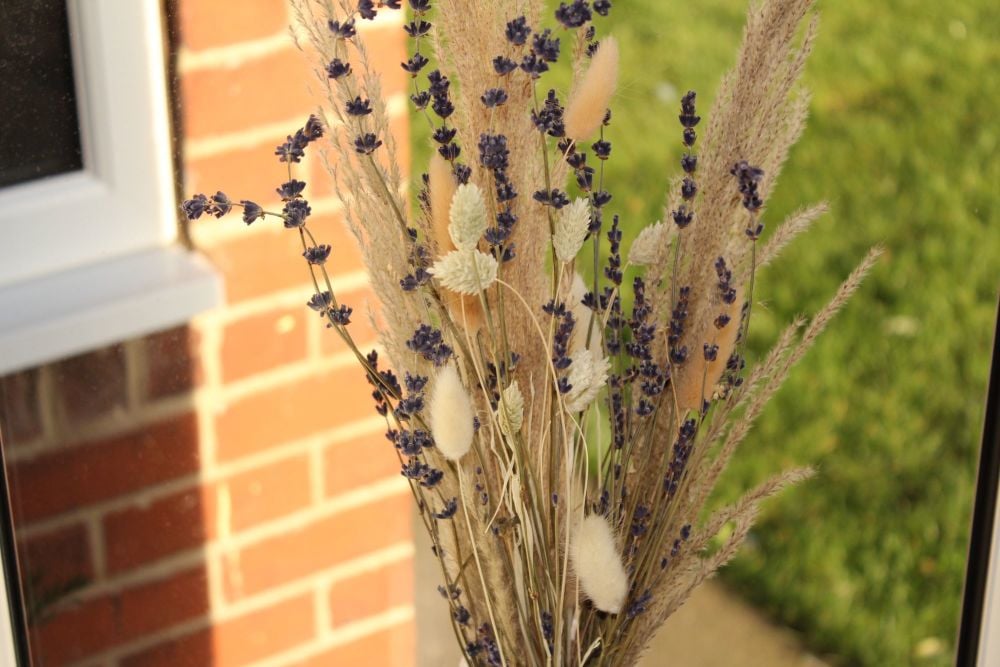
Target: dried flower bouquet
(556, 547)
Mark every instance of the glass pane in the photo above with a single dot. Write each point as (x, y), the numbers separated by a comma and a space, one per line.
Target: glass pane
(220, 494)
(40, 133)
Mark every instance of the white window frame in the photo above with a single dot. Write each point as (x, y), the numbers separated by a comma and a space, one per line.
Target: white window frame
(123, 199)
(90, 257)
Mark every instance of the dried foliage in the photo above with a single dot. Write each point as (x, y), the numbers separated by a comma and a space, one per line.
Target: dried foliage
(557, 548)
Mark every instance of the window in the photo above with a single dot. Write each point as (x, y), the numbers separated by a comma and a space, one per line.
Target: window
(88, 218)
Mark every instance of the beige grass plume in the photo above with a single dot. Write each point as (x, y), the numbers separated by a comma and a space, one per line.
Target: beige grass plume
(589, 101)
(598, 564)
(451, 414)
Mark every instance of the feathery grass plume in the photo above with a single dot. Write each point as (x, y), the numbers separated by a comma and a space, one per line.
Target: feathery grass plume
(589, 101)
(651, 241)
(786, 232)
(483, 311)
(571, 229)
(451, 414)
(598, 564)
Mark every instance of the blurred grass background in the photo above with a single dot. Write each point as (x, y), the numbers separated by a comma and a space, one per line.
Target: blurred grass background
(867, 560)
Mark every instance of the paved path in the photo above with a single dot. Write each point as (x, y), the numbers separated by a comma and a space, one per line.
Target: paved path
(714, 629)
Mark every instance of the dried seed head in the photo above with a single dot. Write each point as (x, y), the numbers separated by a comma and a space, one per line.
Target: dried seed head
(467, 216)
(451, 414)
(571, 229)
(589, 102)
(511, 410)
(598, 564)
(465, 271)
(587, 376)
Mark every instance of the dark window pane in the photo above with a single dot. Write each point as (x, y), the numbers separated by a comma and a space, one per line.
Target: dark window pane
(39, 130)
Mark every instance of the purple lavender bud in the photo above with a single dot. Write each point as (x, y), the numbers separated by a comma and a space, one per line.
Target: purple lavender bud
(194, 208)
(295, 212)
(291, 189)
(367, 143)
(574, 14)
(517, 31)
(317, 254)
(415, 63)
(221, 205)
(494, 97)
(358, 107)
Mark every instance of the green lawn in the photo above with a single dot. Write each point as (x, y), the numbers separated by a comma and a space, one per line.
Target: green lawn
(867, 559)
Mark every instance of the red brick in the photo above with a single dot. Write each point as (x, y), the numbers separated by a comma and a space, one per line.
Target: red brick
(271, 260)
(250, 172)
(193, 650)
(269, 492)
(356, 463)
(387, 48)
(208, 24)
(393, 647)
(172, 524)
(172, 366)
(84, 474)
(258, 92)
(262, 342)
(90, 385)
(322, 544)
(371, 593)
(153, 606)
(235, 642)
(22, 416)
(56, 562)
(73, 632)
(292, 410)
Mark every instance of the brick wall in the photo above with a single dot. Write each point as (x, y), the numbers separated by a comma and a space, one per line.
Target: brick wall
(221, 494)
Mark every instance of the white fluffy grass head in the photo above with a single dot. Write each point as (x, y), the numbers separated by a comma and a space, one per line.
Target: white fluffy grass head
(451, 414)
(598, 565)
(589, 102)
